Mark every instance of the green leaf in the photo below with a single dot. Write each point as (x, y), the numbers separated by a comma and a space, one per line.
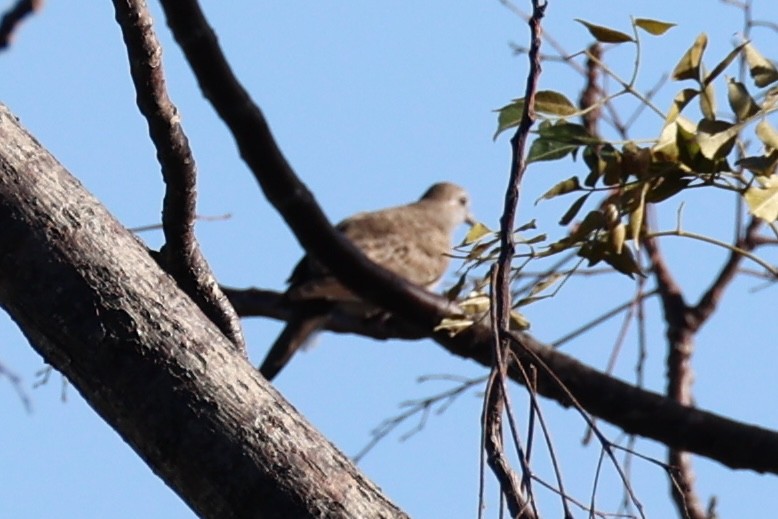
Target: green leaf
(453, 292)
(762, 165)
(546, 102)
(682, 99)
(540, 238)
(689, 65)
(740, 101)
(544, 283)
(762, 71)
(653, 27)
(670, 184)
(547, 149)
(509, 116)
(716, 138)
(762, 199)
(554, 103)
(718, 69)
(708, 102)
(594, 220)
(573, 210)
(529, 226)
(635, 160)
(566, 186)
(767, 134)
(605, 34)
(624, 262)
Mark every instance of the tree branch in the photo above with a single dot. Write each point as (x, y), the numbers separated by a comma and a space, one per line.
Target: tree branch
(12, 19)
(97, 307)
(181, 256)
(281, 186)
(634, 410)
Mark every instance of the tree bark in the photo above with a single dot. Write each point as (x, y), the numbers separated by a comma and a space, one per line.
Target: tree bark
(95, 305)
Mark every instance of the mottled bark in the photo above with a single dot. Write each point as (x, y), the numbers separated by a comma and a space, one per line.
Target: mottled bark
(96, 306)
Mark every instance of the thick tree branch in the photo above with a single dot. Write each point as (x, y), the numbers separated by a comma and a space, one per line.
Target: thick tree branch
(182, 256)
(635, 410)
(96, 306)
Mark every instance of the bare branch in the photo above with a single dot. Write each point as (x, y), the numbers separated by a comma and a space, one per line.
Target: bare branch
(181, 255)
(519, 506)
(12, 19)
(680, 332)
(16, 383)
(148, 361)
(635, 410)
(281, 186)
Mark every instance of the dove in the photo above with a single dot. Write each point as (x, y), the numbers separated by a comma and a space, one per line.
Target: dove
(413, 241)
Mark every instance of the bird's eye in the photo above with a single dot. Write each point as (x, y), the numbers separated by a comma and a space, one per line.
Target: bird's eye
(462, 200)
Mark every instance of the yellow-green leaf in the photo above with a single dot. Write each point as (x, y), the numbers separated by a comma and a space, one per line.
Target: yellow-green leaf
(636, 217)
(554, 103)
(518, 321)
(616, 237)
(540, 238)
(453, 326)
(740, 100)
(566, 186)
(654, 27)
(762, 199)
(605, 34)
(767, 134)
(689, 65)
(475, 233)
(475, 303)
(762, 71)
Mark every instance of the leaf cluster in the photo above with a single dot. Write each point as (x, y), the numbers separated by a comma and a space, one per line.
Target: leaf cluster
(683, 155)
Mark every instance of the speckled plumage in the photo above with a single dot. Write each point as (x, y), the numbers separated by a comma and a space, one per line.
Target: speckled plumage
(411, 240)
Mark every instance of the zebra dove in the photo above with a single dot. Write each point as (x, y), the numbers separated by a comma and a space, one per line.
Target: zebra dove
(411, 240)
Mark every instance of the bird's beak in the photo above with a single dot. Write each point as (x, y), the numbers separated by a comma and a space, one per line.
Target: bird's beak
(470, 219)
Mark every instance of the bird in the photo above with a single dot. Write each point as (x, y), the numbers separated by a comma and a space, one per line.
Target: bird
(413, 241)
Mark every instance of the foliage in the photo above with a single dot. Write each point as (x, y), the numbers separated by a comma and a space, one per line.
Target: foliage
(683, 155)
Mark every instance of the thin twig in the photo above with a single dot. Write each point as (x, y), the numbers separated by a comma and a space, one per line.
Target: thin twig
(414, 407)
(199, 218)
(16, 383)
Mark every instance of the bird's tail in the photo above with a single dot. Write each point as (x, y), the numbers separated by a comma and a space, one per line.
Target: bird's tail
(298, 330)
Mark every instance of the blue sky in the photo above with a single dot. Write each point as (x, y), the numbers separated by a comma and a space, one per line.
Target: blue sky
(371, 103)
